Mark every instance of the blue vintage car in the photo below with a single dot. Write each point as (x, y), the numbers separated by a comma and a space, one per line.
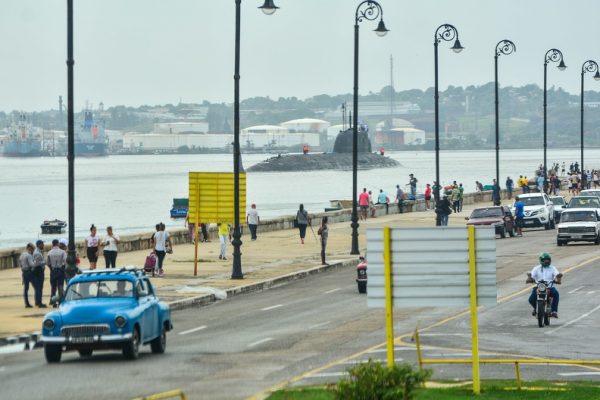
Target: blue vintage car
(108, 309)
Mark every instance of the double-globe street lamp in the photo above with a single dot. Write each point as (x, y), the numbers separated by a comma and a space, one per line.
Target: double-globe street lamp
(505, 47)
(556, 56)
(367, 10)
(445, 32)
(70, 138)
(588, 66)
(268, 8)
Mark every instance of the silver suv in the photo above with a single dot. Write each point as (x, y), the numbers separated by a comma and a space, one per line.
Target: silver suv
(539, 210)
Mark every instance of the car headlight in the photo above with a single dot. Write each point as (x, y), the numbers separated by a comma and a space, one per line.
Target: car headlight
(49, 324)
(590, 229)
(120, 321)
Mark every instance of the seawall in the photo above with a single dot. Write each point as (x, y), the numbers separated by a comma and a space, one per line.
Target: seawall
(9, 258)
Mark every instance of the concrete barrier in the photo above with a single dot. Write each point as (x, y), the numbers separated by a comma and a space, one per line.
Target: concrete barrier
(9, 258)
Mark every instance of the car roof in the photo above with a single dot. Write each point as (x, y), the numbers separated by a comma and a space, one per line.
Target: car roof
(124, 274)
(487, 208)
(530, 195)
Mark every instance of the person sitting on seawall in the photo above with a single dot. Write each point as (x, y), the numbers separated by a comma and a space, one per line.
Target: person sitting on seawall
(545, 271)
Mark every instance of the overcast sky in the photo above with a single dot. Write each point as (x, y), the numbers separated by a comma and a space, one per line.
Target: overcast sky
(136, 52)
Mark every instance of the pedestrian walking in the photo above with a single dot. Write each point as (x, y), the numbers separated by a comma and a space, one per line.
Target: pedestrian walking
(191, 227)
(382, 198)
(56, 260)
(461, 195)
(455, 198)
(509, 187)
(400, 198)
(324, 233)
(442, 210)
(253, 219)
(519, 215)
(371, 205)
(302, 221)
(26, 263)
(160, 243)
(413, 186)
(427, 195)
(223, 239)
(110, 247)
(39, 264)
(363, 203)
(91, 244)
(562, 169)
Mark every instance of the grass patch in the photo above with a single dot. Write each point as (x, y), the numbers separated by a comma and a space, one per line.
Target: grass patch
(491, 390)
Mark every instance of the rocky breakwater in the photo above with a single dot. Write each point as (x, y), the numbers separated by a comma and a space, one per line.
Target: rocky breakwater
(331, 161)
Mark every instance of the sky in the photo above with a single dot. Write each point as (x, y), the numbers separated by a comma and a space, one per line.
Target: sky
(148, 52)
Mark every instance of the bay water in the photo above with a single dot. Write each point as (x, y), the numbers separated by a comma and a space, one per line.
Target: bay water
(133, 193)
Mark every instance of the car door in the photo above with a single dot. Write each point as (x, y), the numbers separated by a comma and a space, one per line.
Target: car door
(144, 303)
(154, 318)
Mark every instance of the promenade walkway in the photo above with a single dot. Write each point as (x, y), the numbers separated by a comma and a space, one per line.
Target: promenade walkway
(274, 254)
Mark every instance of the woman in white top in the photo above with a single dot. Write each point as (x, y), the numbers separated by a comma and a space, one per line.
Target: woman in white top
(109, 245)
(161, 242)
(91, 244)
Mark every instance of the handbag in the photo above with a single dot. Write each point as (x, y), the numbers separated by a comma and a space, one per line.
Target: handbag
(168, 248)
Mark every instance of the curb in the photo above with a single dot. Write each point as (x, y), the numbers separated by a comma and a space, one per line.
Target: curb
(30, 340)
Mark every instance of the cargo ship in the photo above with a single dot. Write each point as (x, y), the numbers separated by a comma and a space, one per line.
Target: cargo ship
(23, 140)
(90, 138)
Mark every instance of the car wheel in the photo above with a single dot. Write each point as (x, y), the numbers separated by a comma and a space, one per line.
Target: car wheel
(85, 352)
(159, 344)
(131, 349)
(597, 241)
(560, 242)
(552, 224)
(502, 234)
(547, 226)
(52, 352)
(511, 232)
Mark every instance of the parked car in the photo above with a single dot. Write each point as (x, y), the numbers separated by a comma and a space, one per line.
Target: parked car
(578, 224)
(538, 210)
(590, 192)
(108, 309)
(559, 203)
(584, 202)
(499, 216)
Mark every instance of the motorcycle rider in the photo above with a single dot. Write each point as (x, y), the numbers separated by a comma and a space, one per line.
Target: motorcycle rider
(545, 271)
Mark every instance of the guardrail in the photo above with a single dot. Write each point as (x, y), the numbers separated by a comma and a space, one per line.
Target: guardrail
(165, 395)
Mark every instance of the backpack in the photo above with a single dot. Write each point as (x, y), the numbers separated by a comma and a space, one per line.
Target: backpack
(150, 263)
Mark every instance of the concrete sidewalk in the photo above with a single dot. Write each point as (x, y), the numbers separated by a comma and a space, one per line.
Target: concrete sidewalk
(274, 255)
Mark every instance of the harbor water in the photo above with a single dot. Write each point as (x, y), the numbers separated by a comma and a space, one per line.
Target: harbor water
(133, 193)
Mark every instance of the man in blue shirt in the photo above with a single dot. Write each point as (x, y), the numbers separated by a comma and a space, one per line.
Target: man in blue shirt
(383, 199)
(519, 215)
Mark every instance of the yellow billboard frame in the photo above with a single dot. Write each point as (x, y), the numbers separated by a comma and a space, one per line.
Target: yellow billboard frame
(211, 199)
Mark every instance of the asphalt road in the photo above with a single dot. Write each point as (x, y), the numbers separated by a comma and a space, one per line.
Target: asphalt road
(311, 330)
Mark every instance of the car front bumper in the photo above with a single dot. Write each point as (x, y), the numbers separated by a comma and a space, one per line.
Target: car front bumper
(536, 221)
(577, 237)
(125, 337)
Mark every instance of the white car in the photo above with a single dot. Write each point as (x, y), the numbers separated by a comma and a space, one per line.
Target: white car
(590, 192)
(538, 210)
(578, 225)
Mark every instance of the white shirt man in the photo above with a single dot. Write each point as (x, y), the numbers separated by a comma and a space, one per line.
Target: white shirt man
(252, 219)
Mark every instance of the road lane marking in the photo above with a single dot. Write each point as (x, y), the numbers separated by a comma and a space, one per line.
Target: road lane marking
(577, 373)
(444, 334)
(328, 374)
(272, 307)
(399, 340)
(587, 314)
(319, 325)
(332, 290)
(193, 330)
(260, 342)
(576, 289)
(591, 292)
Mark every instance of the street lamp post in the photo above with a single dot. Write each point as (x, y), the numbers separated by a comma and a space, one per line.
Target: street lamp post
(445, 32)
(367, 10)
(588, 66)
(268, 8)
(552, 55)
(505, 47)
(70, 138)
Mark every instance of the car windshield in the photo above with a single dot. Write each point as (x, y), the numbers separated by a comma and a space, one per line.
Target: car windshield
(578, 216)
(557, 201)
(584, 202)
(486, 213)
(532, 201)
(100, 288)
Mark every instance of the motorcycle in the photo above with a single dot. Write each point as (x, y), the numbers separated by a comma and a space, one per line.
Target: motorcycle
(361, 275)
(543, 307)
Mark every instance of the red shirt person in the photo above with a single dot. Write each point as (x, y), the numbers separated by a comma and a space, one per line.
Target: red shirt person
(363, 202)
